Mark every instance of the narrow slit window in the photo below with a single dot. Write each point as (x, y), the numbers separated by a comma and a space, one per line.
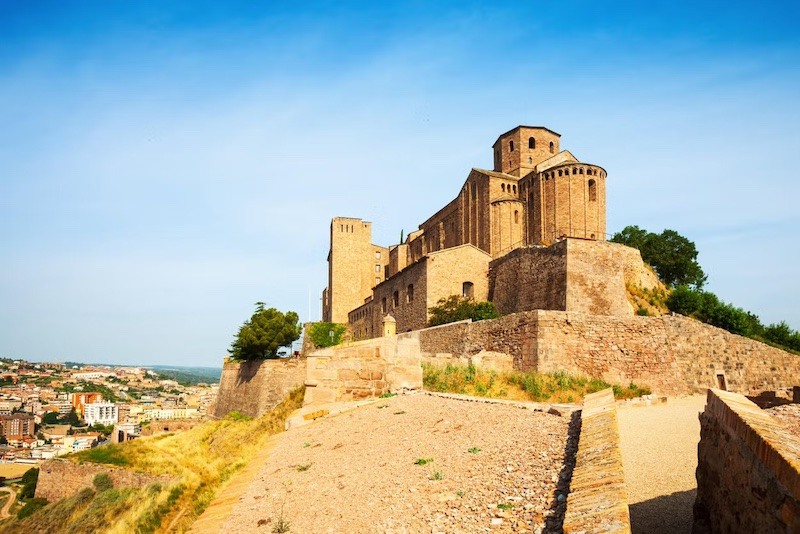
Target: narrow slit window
(592, 190)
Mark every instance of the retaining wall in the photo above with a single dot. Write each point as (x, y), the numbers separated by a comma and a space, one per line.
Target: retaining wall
(672, 354)
(59, 478)
(255, 387)
(748, 472)
(597, 500)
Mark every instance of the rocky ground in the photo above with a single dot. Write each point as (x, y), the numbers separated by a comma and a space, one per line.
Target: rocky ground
(789, 415)
(413, 464)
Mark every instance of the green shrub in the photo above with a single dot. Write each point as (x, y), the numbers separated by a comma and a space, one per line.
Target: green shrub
(320, 334)
(102, 482)
(30, 507)
(457, 308)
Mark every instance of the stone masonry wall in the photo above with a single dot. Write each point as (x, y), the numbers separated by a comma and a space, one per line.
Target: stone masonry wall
(361, 370)
(748, 472)
(597, 500)
(60, 478)
(671, 354)
(529, 279)
(253, 388)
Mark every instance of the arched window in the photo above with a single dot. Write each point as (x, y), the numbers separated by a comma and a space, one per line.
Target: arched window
(581, 170)
(395, 299)
(511, 146)
(410, 293)
(468, 290)
(515, 188)
(530, 160)
(552, 148)
(574, 171)
(559, 173)
(383, 305)
(516, 216)
(503, 187)
(592, 190)
(531, 142)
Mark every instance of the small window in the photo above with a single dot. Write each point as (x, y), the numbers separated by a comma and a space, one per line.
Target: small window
(468, 290)
(383, 305)
(531, 142)
(592, 190)
(377, 268)
(377, 254)
(559, 173)
(410, 293)
(377, 280)
(516, 216)
(530, 160)
(574, 171)
(511, 146)
(395, 299)
(503, 187)
(581, 171)
(552, 148)
(515, 188)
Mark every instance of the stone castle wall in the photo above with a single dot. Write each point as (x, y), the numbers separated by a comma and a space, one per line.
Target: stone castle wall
(748, 472)
(253, 388)
(598, 500)
(60, 478)
(671, 354)
(362, 370)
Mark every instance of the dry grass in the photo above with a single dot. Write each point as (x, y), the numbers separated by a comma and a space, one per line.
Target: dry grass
(201, 459)
(648, 301)
(540, 387)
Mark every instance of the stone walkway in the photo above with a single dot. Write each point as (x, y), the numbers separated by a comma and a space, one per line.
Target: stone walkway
(659, 454)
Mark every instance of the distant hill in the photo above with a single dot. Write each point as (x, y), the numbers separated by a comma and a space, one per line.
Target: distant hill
(188, 375)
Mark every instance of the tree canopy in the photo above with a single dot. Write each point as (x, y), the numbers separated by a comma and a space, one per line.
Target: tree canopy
(672, 256)
(264, 333)
(320, 334)
(457, 308)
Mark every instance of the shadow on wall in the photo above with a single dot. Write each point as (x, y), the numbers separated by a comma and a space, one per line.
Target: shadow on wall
(247, 370)
(768, 399)
(555, 521)
(667, 514)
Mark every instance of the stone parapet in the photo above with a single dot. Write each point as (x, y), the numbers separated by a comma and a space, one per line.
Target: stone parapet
(598, 501)
(363, 370)
(748, 472)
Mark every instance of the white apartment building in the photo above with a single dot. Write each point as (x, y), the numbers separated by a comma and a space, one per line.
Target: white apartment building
(104, 413)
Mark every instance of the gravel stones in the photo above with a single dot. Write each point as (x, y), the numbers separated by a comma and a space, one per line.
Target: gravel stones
(495, 469)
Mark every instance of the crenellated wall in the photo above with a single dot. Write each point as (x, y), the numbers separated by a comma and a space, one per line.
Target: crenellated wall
(748, 472)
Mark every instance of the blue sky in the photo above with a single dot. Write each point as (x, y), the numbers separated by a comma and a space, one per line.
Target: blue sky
(167, 164)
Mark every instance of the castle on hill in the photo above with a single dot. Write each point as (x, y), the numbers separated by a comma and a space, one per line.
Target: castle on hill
(529, 234)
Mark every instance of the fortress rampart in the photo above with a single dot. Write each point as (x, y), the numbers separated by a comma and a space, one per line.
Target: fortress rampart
(255, 387)
(672, 354)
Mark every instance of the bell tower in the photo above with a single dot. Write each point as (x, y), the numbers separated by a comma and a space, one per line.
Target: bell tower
(518, 151)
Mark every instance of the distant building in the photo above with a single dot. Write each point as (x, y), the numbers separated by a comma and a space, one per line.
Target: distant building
(104, 413)
(17, 424)
(79, 400)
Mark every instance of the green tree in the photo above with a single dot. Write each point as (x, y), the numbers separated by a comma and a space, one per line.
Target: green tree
(458, 308)
(672, 256)
(264, 333)
(29, 480)
(320, 334)
(50, 418)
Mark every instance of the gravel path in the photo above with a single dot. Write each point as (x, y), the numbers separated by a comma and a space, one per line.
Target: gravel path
(659, 454)
(412, 464)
